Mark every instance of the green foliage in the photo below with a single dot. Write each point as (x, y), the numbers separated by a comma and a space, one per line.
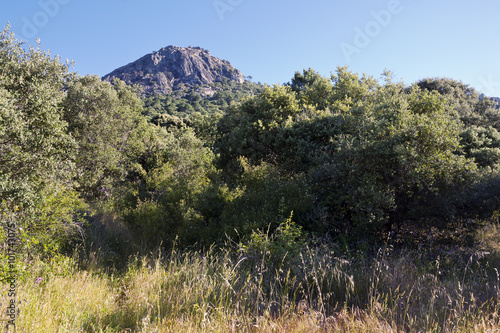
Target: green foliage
(346, 156)
(349, 88)
(164, 204)
(352, 156)
(263, 198)
(35, 147)
(375, 155)
(199, 107)
(250, 129)
(479, 141)
(312, 88)
(472, 108)
(168, 122)
(106, 121)
(483, 145)
(36, 152)
(201, 100)
(482, 198)
(205, 127)
(278, 250)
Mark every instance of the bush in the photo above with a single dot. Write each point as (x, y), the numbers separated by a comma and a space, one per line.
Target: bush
(278, 250)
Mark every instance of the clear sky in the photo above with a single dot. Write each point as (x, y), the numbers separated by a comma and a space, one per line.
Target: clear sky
(270, 40)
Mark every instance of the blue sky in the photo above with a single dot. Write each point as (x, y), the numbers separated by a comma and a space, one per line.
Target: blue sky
(270, 40)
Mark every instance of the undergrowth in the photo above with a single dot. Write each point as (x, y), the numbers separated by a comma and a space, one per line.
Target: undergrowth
(271, 283)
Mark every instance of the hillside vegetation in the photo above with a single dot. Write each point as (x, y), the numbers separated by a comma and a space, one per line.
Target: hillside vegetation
(342, 203)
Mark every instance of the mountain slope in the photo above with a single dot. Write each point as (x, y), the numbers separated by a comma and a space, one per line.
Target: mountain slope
(174, 67)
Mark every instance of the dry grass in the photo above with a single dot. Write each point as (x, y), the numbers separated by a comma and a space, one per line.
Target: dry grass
(438, 290)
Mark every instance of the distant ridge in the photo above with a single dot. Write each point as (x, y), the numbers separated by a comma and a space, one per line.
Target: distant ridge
(174, 67)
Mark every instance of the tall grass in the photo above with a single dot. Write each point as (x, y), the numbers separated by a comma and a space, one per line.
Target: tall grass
(318, 289)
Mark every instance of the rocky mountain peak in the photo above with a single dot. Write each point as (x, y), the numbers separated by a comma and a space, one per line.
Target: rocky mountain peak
(167, 69)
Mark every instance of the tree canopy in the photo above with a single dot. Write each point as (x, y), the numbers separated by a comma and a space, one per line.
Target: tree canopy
(348, 155)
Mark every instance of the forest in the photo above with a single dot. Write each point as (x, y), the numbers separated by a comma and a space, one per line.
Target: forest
(343, 203)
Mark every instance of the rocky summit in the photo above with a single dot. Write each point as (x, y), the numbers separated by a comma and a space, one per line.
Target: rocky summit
(174, 67)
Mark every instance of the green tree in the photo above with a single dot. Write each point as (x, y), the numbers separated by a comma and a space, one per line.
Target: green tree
(312, 88)
(471, 107)
(250, 129)
(106, 121)
(483, 145)
(36, 152)
(375, 155)
(169, 194)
